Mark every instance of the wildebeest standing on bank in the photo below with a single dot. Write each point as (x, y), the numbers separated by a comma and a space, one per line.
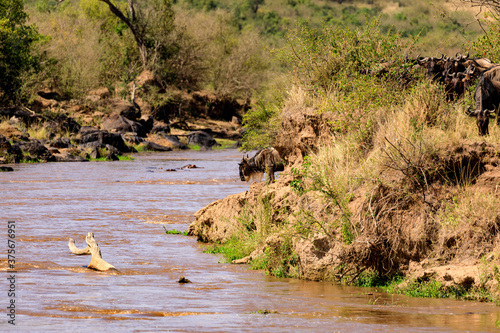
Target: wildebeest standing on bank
(266, 160)
(487, 98)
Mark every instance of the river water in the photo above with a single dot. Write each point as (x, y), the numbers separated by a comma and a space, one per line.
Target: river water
(126, 204)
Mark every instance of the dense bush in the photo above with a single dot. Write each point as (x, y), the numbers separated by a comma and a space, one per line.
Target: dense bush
(16, 43)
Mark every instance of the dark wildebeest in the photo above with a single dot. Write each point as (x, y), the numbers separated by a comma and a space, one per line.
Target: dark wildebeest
(266, 160)
(434, 66)
(454, 84)
(487, 98)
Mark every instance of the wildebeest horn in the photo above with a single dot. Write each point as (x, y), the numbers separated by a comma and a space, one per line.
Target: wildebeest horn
(442, 56)
(471, 113)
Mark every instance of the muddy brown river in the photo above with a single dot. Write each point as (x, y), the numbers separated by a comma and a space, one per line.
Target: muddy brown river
(126, 204)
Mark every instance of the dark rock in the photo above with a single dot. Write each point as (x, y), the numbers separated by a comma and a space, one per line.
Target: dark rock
(132, 138)
(24, 115)
(175, 142)
(37, 151)
(61, 143)
(126, 109)
(202, 139)
(182, 279)
(91, 134)
(147, 123)
(156, 147)
(91, 145)
(94, 153)
(68, 157)
(86, 130)
(62, 123)
(50, 95)
(54, 150)
(6, 169)
(160, 126)
(5, 146)
(121, 124)
(113, 153)
(17, 152)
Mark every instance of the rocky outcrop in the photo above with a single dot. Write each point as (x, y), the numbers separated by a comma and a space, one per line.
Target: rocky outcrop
(175, 142)
(156, 147)
(125, 109)
(202, 139)
(217, 221)
(92, 134)
(61, 124)
(37, 151)
(119, 124)
(9, 153)
(21, 114)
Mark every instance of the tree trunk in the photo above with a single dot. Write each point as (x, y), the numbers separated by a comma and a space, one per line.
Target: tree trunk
(96, 263)
(143, 51)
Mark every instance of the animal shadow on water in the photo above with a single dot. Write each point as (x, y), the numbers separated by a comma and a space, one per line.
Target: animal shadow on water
(266, 160)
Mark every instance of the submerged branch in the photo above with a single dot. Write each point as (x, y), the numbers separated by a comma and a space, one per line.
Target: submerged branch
(96, 263)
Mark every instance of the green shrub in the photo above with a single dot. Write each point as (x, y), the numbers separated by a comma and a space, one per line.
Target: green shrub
(16, 43)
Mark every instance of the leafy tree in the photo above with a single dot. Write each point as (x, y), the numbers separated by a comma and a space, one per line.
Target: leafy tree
(149, 25)
(150, 22)
(16, 41)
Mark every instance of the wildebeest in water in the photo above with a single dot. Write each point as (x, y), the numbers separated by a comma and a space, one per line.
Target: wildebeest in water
(266, 160)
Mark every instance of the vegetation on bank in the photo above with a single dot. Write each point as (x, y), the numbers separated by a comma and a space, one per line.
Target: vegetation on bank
(75, 46)
(396, 178)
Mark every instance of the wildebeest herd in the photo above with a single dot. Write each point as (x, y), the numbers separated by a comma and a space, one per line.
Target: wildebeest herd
(461, 72)
(457, 73)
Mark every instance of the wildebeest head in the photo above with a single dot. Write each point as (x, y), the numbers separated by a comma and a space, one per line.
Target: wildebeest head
(243, 166)
(486, 99)
(434, 65)
(454, 85)
(470, 76)
(483, 120)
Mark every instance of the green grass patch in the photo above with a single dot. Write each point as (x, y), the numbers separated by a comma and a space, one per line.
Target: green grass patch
(125, 158)
(231, 250)
(175, 232)
(100, 159)
(141, 147)
(225, 143)
(427, 289)
(414, 288)
(29, 159)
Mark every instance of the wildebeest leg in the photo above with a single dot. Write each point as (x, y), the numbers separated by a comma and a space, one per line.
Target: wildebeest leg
(270, 171)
